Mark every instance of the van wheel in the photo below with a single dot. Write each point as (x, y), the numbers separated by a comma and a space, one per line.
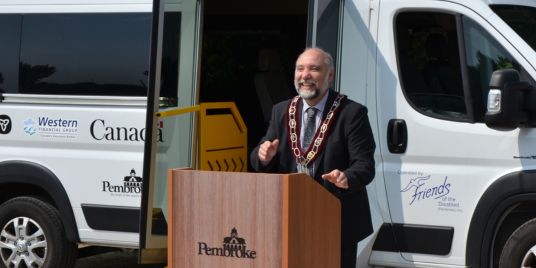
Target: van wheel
(520, 248)
(32, 235)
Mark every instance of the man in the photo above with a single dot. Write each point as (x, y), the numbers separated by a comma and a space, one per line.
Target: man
(340, 156)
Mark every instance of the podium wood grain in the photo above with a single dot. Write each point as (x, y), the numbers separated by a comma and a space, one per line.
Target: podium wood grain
(290, 221)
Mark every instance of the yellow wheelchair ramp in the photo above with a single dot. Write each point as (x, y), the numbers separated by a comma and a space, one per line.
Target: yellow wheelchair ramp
(222, 136)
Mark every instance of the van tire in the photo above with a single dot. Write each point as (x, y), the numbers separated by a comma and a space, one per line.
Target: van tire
(36, 217)
(520, 248)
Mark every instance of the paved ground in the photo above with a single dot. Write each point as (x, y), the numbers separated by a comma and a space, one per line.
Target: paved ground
(113, 259)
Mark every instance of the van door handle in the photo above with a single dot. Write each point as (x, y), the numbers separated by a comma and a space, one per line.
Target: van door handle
(397, 136)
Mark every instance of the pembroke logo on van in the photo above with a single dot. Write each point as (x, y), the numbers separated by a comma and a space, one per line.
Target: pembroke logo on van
(5, 124)
(233, 247)
(132, 185)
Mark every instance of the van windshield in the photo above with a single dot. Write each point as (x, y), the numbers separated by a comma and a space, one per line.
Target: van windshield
(522, 19)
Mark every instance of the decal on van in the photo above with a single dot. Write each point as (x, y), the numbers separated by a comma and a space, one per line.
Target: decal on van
(49, 127)
(101, 130)
(131, 186)
(423, 188)
(5, 124)
(531, 157)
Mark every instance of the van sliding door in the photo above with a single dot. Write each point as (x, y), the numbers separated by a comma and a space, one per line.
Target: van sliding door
(172, 85)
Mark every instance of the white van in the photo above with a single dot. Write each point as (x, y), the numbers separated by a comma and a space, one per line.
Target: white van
(74, 82)
(454, 184)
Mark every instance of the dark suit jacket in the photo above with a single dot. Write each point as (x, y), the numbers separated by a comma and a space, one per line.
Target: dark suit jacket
(349, 147)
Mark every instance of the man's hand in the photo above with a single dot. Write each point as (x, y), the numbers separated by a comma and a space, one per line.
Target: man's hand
(267, 151)
(337, 177)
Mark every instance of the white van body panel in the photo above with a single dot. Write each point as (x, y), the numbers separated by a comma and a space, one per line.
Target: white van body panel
(440, 152)
(93, 144)
(82, 8)
(82, 147)
(90, 143)
(466, 157)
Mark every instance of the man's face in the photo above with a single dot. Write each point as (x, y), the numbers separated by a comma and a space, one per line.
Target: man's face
(311, 76)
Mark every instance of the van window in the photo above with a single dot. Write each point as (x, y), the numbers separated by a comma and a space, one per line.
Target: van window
(170, 59)
(522, 19)
(429, 63)
(326, 25)
(10, 37)
(84, 54)
(445, 63)
(483, 55)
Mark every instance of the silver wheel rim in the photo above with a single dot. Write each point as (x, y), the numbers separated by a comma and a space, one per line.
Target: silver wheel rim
(23, 244)
(530, 258)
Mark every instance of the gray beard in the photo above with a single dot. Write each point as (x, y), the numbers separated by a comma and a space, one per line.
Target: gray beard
(309, 95)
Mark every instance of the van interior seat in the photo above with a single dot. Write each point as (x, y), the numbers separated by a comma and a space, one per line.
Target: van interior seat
(271, 83)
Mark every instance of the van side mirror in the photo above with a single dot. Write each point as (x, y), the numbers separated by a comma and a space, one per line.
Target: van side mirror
(506, 109)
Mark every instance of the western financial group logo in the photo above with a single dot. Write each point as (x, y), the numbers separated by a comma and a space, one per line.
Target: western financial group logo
(132, 185)
(233, 247)
(5, 124)
(49, 127)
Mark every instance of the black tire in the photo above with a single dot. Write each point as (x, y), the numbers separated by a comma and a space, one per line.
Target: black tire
(41, 223)
(520, 248)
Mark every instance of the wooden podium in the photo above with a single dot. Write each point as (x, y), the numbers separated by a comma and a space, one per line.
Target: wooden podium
(230, 219)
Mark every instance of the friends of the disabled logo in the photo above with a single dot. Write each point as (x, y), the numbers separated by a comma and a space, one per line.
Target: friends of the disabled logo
(421, 188)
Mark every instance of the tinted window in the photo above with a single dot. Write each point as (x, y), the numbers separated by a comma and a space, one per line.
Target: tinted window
(85, 54)
(429, 64)
(170, 59)
(429, 55)
(327, 25)
(483, 56)
(9, 54)
(521, 18)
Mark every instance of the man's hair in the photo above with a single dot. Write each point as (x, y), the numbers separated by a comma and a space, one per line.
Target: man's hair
(328, 59)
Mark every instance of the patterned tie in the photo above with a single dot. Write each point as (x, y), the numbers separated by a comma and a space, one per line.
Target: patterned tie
(310, 127)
